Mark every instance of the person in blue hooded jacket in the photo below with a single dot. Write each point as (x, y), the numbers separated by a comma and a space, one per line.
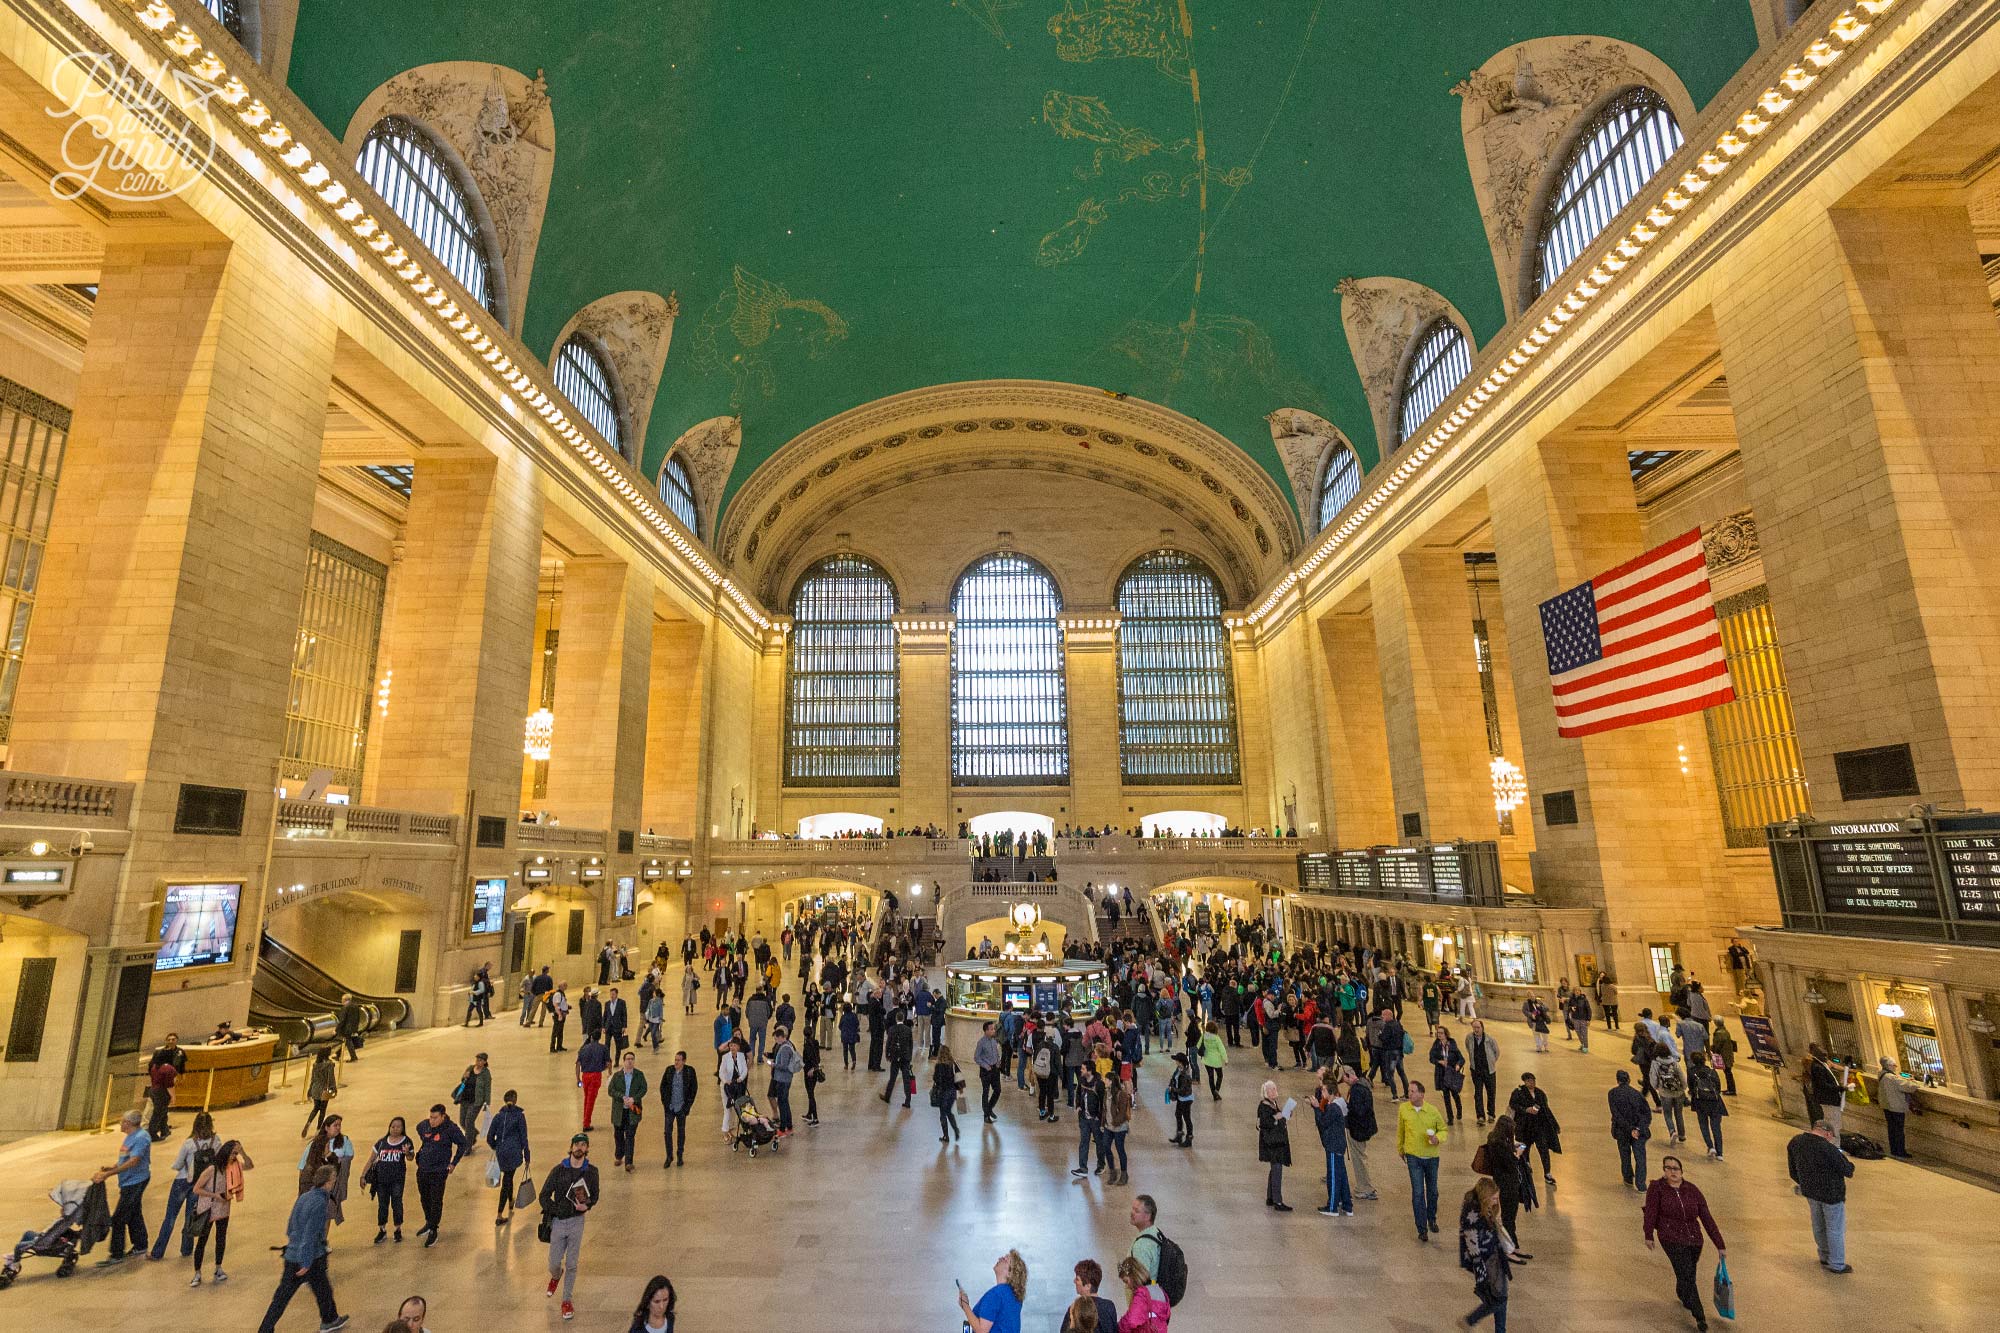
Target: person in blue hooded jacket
(507, 1136)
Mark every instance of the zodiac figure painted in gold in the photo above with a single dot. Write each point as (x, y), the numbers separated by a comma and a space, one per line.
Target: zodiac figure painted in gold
(1088, 30)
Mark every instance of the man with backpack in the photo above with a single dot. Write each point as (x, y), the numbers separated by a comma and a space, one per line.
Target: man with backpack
(1047, 1063)
(1162, 1259)
(1180, 1090)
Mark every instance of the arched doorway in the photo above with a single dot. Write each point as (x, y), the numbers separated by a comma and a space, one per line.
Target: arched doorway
(1183, 824)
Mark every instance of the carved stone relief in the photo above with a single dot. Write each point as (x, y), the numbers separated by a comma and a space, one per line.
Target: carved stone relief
(1303, 442)
(1382, 318)
(500, 124)
(634, 330)
(1520, 110)
(709, 450)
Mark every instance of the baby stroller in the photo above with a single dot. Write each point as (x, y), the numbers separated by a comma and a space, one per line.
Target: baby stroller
(58, 1242)
(754, 1130)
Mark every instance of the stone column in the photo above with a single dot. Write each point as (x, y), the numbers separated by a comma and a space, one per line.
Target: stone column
(1438, 757)
(923, 643)
(1090, 674)
(461, 639)
(1864, 369)
(1650, 858)
(1364, 808)
(1253, 731)
(167, 608)
(603, 679)
(673, 728)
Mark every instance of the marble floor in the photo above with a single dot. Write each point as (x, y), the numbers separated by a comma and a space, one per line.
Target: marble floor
(864, 1222)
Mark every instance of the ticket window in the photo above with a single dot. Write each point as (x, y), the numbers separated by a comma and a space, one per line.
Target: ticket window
(1662, 958)
(1514, 959)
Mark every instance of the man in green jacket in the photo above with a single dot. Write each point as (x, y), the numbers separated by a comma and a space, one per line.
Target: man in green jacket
(627, 1091)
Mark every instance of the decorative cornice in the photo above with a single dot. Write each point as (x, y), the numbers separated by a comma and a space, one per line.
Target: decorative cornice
(1655, 213)
(193, 44)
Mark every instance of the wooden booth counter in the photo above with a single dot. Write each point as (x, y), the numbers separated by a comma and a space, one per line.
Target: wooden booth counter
(232, 1074)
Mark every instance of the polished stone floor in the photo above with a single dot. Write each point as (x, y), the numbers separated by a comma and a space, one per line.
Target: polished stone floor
(864, 1223)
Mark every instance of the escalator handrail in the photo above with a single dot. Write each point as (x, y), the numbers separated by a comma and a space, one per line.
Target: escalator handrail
(286, 963)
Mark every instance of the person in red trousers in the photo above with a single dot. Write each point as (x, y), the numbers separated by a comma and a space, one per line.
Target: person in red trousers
(592, 1059)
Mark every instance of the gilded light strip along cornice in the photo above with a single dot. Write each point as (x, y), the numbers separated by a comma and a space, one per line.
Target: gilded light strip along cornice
(1768, 109)
(331, 182)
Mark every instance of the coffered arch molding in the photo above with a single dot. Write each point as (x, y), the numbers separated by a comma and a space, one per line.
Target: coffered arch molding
(1208, 482)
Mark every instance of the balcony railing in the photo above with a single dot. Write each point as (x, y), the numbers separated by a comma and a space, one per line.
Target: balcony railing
(659, 844)
(317, 819)
(34, 798)
(556, 838)
(1228, 848)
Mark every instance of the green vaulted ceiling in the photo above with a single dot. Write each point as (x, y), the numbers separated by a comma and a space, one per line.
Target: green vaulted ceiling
(854, 199)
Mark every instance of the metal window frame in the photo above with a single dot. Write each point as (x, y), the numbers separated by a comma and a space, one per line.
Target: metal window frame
(1339, 482)
(1753, 741)
(405, 165)
(843, 682)
(34, 436)
(583, 374)
(331, 695)
(677, 492)
(1610, 161)
(1177, 723)
(1440, 362)
(1009, 683)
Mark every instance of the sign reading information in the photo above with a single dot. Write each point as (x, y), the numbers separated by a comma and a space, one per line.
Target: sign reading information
(1936, 877)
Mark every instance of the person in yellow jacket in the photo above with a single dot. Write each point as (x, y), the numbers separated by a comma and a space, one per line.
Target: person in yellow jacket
(1420, 1134)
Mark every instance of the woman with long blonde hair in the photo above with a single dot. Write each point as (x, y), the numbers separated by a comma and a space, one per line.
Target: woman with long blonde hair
(1000, 1306)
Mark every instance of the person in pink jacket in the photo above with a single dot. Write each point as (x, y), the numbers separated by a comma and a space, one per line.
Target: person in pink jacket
(1147, 1310)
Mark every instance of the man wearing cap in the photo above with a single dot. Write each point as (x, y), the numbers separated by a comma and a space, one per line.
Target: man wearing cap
(569, 1192)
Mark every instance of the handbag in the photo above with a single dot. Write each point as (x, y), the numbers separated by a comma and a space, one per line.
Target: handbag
(1725, 1290)
(1481, 1164)
(524, 1194)
(542, 1229)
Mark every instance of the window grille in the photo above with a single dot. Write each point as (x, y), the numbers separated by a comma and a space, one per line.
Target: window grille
(406, 167)
(1622, 148)
(1176, 704)
(1339, 483)
(677, 490)
(1443, 358)
(1644, 461)
(841, 692)
(229, 13)
(1009, 707)
(398, 477)
(333, 663)
(583, 377)
(1754, 740)
(34, 433)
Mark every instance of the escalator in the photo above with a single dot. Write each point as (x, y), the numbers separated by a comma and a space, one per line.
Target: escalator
(301, 1003)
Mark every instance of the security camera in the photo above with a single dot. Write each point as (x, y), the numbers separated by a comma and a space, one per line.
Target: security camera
(80, 843)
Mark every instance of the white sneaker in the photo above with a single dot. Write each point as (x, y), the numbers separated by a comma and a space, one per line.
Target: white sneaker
(221, 1276)
(195, 1281)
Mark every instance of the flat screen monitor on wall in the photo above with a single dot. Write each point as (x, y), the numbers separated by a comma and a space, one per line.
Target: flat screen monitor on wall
(489, 905)
(624, 903)
(198, 926)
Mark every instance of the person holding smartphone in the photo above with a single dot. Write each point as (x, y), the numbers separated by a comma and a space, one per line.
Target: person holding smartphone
(999, 1309)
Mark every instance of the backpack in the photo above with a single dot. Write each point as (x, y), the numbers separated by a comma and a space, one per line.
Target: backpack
(1861, 1147)
(1672, 1084)
(1172, 1277)
(1044, 1064)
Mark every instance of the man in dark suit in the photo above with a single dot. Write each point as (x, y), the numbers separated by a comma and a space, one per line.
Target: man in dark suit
(614, 1023)
(677, 1089)
(627, 1091)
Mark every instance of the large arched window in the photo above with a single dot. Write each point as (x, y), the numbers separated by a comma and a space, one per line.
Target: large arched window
(841, 691)
(1622, 148)
(677, 489)
(1339, 482)
(416, 179)
(584, 377)
(1443, 358)
(1009, 710)
(1176, 707)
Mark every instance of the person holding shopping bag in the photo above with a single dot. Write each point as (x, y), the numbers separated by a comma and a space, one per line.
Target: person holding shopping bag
(1676, 1215)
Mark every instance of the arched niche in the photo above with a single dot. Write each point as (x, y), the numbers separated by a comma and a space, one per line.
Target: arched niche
(632, 331)
(1384, 318)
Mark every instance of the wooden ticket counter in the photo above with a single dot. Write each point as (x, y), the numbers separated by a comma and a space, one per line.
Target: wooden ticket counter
(230, 1074)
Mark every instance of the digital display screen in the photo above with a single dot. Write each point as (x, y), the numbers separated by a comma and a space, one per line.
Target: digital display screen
(198, 926)
(1016, 995)
(489, 905)
(623, 902)
(1876, 875)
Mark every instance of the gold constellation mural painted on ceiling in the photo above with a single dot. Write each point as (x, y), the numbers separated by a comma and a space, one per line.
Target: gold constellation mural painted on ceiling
(735, 333)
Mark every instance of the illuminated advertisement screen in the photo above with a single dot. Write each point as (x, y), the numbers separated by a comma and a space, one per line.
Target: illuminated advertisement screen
(489, 905)
(622, 904)
(198, 926)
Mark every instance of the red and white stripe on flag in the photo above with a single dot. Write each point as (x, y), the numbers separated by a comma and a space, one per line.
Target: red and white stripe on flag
(1659, 644)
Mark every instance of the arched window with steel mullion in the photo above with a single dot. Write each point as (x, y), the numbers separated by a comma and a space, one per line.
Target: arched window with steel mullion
(422, 186)
(1614, 157)
(843, 690)
(1441, 361)
(1339, 482)
(584, 376)
(1176, 686)
(677, 491)
(1009, 699)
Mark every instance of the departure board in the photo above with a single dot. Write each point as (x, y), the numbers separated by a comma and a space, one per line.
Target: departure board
(1315, 871)
(1928, 876)
(1444, 872)
(1863, 868)
(1969, 846)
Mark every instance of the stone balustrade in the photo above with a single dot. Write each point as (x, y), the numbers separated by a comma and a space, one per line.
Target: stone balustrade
(318, 819)
(43, 798)
(556, 838)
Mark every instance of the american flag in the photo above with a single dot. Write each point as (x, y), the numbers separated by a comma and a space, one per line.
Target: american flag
(1637, 643)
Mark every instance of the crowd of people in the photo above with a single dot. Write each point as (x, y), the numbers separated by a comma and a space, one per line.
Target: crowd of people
(1179, 1012)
